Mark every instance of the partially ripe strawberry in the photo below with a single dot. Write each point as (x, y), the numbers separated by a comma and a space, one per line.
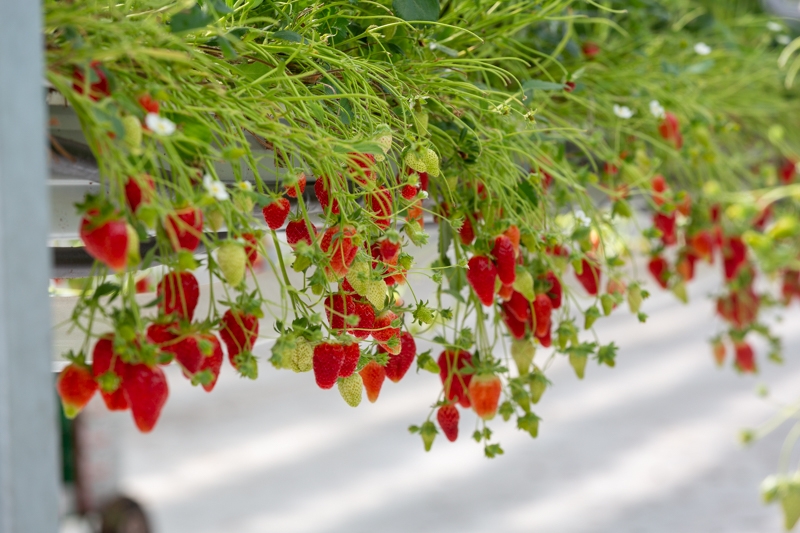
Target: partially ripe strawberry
(328, 359)
(380, 203)
(373, 376)
(659, 186)
(745, 358)
(666, 225)
(337, 308)
(542, 309)
(383, 327)
(366, 319)
(184, 228)
(179, 292)
(139, 190)
(75, 386)
(299, 185)
(147, 391)
(455, 383)
(103, 357)
(98, 81)
(484, 393)
(670, 130)
(703, 244)
(399, 364)
(212, 361)
(505, 259)
(105, 239)
(685, 265)
(505, 292)
(514, 236)
(297, 230)
(481, 274)
(276, 212)
(337, 243)
(352, 353)
(555, 292)
(322, 190)
(448, 416)
(590, 276)
(148, 103)
(659, 268)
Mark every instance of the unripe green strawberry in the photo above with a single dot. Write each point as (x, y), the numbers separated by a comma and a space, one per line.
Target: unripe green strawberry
(385, 142)
(376, 291)
(634, 298)
(232, 260)
(538, 384)
(415, 162)
(134, 257)
(607, 301)
(578, 362)
(428, 432)
(302, 356)
(523, 351)
(133, 134)
(523, 284)
(421, 117)
(679, 290)
(431, 161)
(350, 389)
(358, 276)
(214, 218)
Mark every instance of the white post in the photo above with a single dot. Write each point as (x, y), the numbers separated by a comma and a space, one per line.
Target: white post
(29, 466)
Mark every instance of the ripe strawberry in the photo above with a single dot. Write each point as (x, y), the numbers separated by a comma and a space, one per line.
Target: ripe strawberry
(297, 230)
(366, 319)
(276, 212)
(148, 104)
(670, 130)
(146, 390)
(514, 236)
(102, 357)
(179, 292)
(337, 308)
(703, 245)
(322, 190)
(519, 306)
(466, 233)
(734, 255)
(232, 261)
(448, 416)
(187, 353)
(337, 243)
(299, 185)
(239, 331)
(352, 353)
(555, 292)
(372, 376)
(383, 327)
(516, 327)
(105, 239)
(666, 225)
(788, 171)
(542, 309)
(455, 383)
(659, 268)
(505, 259)
(98, 81)
(75, 386)
(481, 274)
(659, 186)
(546, 340)
(328, 359)
(390, 248)
(144, 285)
(212, 361)
(380, 203)
(399, 364)
(484, 393)
(184, 228)
(350, 389)
(590, 50)
(589, 276)
(251, 247)
(409, 192)
(745, 358)
(361, 167)
(139, 190)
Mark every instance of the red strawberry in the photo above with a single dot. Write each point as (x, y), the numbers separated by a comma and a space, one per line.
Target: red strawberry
(517, 328)
(187, 354)
(763, 217)
(184, 228)
(745, 358)
(666, 225)
(251, 247)
(337, 308)
(484, 393)
(139, 190)
(703, 245)
(659, 186)
(380, 203)
(518, 306)
(481, 274)
(291, 190)
(505, 259)
(590, 50)
(148, 104)
(670, 130)
(546, 340)
(383, 327)
(162, 333)
(328, 359)
(144, 285)
(105, 239)
(146, 390)
(366, 319)
(734, 255)
(98, 81)
(569, 86)
(297, 230)
(322, 188)
(659, 268)
(542, 309)
(389, 249)
(180, 292)
(239, 331)
(75, 386)
(102, 357)
(361, 167)
(555, 292)
(589, 276)
(409, 192)
(399, 364)
(448, 416)
(373, 375)
(788, 171)
(466, 233)
(352, 353)
(455, 383)
(276, 212)
(213, 361)
(338, 245)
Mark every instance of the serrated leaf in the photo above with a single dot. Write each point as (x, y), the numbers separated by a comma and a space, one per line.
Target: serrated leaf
(414, 10)
(191, 19)
(529, 192)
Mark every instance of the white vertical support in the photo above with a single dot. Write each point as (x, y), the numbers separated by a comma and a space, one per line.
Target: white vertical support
(29, 473)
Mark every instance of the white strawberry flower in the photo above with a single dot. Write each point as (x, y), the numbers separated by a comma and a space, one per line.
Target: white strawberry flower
(783, 39)
(774, 26)
(623, 112)
(245, 186)
(702, 49)
(159, 125)
(656, 109)
(215, 188)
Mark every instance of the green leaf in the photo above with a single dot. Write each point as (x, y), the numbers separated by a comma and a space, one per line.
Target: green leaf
(607, 354)
(190, 19)
(539, 85)
(529, 192)
(363, 147)
(417, 9)
(289, 35)
(701, 67)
